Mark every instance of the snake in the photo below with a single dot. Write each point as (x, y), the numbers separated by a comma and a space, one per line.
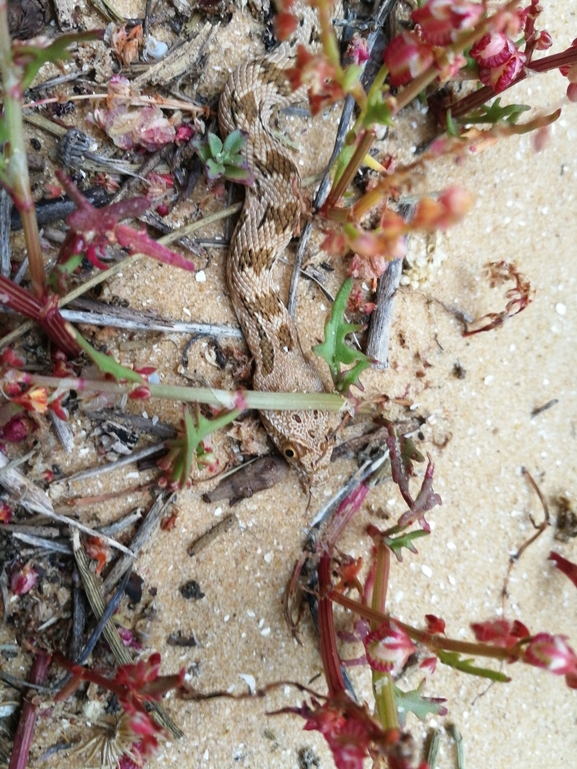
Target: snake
(268, 220)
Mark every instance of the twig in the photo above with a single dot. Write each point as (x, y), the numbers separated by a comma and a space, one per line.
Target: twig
(25, 729)
(123, 523)
(34, 499)
(91, 472)
(144, 533)
(380, 323)
(45, 544)
(96, 602)
(140, 322)
(63, 432)
(540, 528)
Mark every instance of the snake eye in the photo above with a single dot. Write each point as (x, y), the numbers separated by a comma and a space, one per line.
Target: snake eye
(289, 451)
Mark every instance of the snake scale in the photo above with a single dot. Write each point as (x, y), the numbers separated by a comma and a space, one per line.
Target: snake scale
(269, 218)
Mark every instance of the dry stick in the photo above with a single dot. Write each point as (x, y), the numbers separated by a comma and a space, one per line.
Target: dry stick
(81, 475)
(25, 730)
(324, 186)
(149, 526)
(381, 317)
(540, 528)
(121, 655)
(34, 499)
(25, 327)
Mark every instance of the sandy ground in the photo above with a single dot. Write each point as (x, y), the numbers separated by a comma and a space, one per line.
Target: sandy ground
(480, 433)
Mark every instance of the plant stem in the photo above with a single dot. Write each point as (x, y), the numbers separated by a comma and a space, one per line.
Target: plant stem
(14, 175)
(433, 641)
(224, 398)
(363, 146)
(25, 730)
(328, 642)
(383, 690)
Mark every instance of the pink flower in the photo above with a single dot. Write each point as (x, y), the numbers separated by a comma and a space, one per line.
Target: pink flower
(22, 580)
(357, 50)
(388, 647)
(552, 653)
(492, 50)
(500, 61)
(440, 21)
(407, 56)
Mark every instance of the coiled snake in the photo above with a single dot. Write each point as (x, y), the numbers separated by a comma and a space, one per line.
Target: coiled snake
(268, 220)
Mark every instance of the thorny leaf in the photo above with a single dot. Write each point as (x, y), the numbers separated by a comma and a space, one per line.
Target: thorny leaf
(189, 446)
(414, 702)
(494, 113)
(454, 660)
(335, 351)
(406, 540)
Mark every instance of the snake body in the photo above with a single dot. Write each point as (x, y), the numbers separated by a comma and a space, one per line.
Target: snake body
(268, 220)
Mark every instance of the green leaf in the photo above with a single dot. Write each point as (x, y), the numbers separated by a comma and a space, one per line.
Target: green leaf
(405, 540)
(494, 113)
(105, 363)
(414, 702)
(452, 127)
(453, 660)
(214, 170)
(335, 351)
(32, 57)
(190, 448)
(238, 174)
(377, 112)
(234, 143)
(215, 145)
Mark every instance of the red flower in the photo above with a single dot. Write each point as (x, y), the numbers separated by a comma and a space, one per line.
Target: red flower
(318, 76)
(500, 632)
(440, 21)
(5, 513)
(407, 56)
(434, 624)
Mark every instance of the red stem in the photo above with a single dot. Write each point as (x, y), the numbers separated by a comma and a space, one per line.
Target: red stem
(42, 311)
(25, 730)
(432, 640)
(328, 640)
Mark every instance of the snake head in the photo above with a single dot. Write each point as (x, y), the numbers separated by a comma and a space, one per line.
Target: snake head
(301, 437)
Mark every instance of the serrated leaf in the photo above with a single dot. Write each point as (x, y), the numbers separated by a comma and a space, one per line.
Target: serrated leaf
(378, 112)
(454, 660)
(215, 145)
(335, 351)
(414, 702)
(233, 143)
